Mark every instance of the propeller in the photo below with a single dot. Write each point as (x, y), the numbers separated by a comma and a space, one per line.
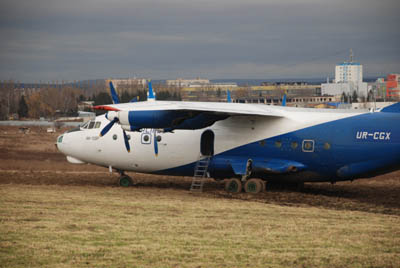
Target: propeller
(107, 128)
(126, 140)
(155, 143)
(112, 115)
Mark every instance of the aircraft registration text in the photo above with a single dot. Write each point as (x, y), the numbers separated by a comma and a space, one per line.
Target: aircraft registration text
(373, 135)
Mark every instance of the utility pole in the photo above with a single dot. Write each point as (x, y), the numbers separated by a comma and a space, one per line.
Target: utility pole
(351, 55)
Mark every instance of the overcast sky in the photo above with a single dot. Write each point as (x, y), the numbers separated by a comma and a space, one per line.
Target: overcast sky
(53, 40)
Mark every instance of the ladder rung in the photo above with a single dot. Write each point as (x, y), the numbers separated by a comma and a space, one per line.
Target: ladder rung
(200, 172)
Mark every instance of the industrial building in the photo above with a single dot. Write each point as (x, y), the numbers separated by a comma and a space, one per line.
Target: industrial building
(393, 86)
(127, 82)
(180, 82)
(298, 93)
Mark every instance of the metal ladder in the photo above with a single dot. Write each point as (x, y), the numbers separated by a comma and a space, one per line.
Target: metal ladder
(200, 173)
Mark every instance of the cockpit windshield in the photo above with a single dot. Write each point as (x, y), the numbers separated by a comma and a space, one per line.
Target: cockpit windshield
(91, 124)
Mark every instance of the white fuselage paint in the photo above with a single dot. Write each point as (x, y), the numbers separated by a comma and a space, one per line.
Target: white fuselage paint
(183, 146)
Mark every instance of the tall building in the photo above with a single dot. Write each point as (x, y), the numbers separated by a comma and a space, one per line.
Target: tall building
(348, 79)
(349, 72)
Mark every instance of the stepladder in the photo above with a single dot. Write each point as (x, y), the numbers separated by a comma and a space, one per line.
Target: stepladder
(200, 173)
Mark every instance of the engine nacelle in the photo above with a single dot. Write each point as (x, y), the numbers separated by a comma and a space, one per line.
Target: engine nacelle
(135, 120)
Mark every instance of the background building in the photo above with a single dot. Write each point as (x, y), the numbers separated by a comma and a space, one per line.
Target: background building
(392, 86)
(127, 82)
(348, 80)
(187, 82)
(349, 72)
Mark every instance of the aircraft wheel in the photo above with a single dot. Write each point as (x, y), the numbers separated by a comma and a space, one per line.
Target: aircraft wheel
(233, 186)
(253, 186)
(125, 181)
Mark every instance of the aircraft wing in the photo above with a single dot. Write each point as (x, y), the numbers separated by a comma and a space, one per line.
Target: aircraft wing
(229, 109)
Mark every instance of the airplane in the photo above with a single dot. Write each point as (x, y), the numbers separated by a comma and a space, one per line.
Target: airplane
(244, 144)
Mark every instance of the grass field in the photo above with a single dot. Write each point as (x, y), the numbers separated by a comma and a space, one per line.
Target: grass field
(53, 214)
(64, 226)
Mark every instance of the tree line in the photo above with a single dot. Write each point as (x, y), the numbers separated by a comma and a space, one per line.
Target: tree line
(50, 102)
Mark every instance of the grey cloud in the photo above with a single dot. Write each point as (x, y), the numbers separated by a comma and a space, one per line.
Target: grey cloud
(49, 39)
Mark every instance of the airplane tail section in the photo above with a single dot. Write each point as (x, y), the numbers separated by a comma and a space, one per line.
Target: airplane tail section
(394, 108)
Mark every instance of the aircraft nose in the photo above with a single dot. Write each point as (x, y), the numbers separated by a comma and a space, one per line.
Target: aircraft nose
(59, 141)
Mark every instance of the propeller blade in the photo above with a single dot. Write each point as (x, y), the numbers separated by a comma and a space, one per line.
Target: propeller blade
(114, 94)
(284, 99)
(155, 144)
(151, 96)
(228, 96)
(108, 127)
(126, 140)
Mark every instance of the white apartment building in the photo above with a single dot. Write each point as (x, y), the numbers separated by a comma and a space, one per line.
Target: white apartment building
(348, 78)
(349, 72)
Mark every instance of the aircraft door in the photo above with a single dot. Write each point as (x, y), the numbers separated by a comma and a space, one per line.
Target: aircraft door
(207, 143)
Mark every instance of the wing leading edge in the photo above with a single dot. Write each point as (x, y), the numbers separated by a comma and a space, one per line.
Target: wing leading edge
(171, 115)
(213, 107)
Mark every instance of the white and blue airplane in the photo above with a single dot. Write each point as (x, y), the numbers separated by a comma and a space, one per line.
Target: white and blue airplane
(245, 144)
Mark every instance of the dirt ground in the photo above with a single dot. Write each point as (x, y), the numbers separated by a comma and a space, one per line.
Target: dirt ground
(32, 159)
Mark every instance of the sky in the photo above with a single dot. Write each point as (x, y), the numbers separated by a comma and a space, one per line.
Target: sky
(60, 40)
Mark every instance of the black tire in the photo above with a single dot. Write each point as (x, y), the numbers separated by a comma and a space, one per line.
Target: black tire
(233, 186)
(253, 186)
(125, 181)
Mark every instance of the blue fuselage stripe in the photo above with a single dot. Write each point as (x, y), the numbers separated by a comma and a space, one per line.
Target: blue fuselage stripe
(345, 149)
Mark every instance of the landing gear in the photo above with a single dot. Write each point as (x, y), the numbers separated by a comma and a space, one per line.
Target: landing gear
(233, 186)
(254, 186)
(124, 180)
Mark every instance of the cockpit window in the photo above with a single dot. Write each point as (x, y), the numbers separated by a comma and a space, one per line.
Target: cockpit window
(97, 125)
(91, 124)
(85, 125)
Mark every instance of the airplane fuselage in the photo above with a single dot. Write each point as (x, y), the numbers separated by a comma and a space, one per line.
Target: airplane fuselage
(304, 145)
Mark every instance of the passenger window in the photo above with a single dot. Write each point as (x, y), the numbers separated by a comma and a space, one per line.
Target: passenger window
(91, 124)
(294, 145)
(327, 146)
(278, 144)
(97, 124)
(308, 146)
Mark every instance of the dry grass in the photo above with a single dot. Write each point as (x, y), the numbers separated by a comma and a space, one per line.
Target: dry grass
(63, 226)
(53, 214)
